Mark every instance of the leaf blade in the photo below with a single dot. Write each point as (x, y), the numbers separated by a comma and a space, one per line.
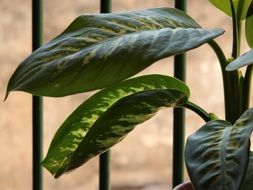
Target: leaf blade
(241, 7)
(249, 26)
(224, 6)
(244, 60)
(86, 119)
(217, 154)
(65, 66)
(248, 179)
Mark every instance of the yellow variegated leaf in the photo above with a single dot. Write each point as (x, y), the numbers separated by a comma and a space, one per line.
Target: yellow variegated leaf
(107, 117)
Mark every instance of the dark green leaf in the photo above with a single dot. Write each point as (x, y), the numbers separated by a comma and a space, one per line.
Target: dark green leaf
(243, 60)
(217, 154)
(249, 26)
(248, 179)
(97, 51)
(241, 7)
(106, 118)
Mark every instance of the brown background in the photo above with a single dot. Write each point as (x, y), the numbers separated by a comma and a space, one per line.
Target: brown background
(144, 158)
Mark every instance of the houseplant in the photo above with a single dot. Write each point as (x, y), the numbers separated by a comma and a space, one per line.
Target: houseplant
(103, 51)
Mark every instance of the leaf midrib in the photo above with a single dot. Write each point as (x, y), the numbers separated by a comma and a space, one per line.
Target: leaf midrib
(223, 153)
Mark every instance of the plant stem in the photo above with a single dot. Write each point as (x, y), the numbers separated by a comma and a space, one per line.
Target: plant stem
(247, 86)
(236, 32)
(198, 110)
(241, 91)
(230, 85)
(242, 99)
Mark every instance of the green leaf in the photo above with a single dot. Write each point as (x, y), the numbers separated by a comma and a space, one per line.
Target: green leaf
(108, 116)
(241, 7)
(244, 60)
(249, 26)
(218, 153)
(223, 5)
(248, 179)
(98, 51)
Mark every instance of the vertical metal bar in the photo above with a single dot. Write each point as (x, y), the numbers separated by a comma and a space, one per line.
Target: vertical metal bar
(179, 115)
(105, 6)
(104, 171)
(104, 159)
(37, 107)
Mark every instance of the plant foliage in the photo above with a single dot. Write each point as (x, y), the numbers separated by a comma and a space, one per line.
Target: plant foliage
(101, 52)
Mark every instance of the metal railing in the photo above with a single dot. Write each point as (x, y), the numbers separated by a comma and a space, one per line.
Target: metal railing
(179, 116)
(37, 102)
(104, 166)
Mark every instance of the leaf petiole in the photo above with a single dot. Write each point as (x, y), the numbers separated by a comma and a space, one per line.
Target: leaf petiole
(198, 110)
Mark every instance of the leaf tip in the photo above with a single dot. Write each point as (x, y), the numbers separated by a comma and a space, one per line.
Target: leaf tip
(220, 31)
(6, 95)
(54, 170)
(230, 68)
(7, 92)
(45, 164)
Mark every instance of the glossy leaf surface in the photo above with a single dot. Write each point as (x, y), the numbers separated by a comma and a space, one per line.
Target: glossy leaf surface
(241, 7)
(248, 179)
(249, 26)
(97, 51)
(243, 60)
(106, 118)
(218, 153)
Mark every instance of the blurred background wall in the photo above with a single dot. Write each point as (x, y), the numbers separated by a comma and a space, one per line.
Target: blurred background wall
(144, 158)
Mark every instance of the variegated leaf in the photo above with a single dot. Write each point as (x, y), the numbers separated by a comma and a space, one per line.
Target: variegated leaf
(217, 154)
(97, 51)
(108, 116)
(243, 60)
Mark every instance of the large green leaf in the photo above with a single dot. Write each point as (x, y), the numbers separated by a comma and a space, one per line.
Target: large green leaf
(97, 51)
(241, 7)
(249, 26)
(248, 179)
(218, 153)
(105, 118)
(243, 60)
